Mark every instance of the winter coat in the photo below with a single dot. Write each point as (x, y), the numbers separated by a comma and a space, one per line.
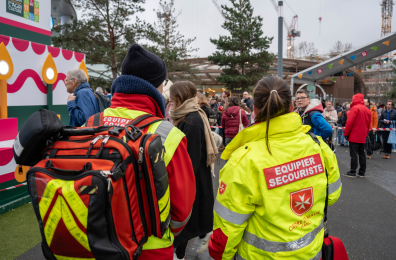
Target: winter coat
(374, 118)
(201, 221)
(313, 117)
(359, 120)
(84, 106)
(206, 110)
(256, 216)
(332, 114)
(230, 121)
(392, 116)
(249, 103)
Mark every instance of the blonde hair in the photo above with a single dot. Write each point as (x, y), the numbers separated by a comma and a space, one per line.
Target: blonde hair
(202, 100)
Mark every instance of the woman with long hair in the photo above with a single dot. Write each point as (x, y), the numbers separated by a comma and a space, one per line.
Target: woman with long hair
(203, 104)
(272, 193)
(329, 113)
(192, 121)
(232, 118)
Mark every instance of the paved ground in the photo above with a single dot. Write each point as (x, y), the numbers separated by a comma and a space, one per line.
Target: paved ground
(363, 218)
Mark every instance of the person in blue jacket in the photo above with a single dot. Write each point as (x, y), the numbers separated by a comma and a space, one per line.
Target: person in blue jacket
(311, 111)
(81, 103)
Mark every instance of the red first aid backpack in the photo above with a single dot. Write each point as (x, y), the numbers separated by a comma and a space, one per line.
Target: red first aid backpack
(100, 192)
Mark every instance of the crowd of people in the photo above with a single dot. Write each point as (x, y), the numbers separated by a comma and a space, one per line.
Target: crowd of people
(267, 192)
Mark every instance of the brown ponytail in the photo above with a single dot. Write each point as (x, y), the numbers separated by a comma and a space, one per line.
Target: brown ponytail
(272, 97)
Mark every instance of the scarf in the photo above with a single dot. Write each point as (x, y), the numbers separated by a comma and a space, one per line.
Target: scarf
(178, 115)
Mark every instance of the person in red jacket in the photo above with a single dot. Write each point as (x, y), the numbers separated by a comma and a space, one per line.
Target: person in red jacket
(230, 120)
(356, 130)
(138, 91)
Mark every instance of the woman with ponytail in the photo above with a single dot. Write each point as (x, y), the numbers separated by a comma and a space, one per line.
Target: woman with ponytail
(272, 191)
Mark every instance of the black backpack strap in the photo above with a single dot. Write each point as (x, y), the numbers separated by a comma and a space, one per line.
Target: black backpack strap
(326, 233)
(314, 137)
(95, 120)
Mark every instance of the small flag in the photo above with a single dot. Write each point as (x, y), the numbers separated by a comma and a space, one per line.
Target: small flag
(342, 77)
(386, 59)
(334, 79)
(310, 72)
(369, 67)
(341, 62)
(374, 48)
(386, 43)
(363, 53)
(350, 74)
(378, 63)
(353, 57)
(325, 81)
(360, 71)
(300, 76)
(320, 70)
(330, 66)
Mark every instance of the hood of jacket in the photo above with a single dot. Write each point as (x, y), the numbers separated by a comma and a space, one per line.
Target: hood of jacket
(234, 110)
(284, 125)
(315, 104)
(81, 86)
(131, 85)
(357, 99)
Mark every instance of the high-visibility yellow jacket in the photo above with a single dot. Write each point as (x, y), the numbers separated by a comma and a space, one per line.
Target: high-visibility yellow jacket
(125, 107)
(271, 206)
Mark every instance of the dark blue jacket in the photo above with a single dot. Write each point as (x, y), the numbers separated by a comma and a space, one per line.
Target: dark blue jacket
(391, 116)
(84, 106)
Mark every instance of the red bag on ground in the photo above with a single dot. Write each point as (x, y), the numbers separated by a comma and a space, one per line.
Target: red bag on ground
(333, 249)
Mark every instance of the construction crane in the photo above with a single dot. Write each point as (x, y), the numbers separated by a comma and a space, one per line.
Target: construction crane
(218, 7)
(387, 10)
(291, 32)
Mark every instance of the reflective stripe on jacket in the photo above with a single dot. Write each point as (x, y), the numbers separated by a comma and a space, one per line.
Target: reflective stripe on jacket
(178, 164)
(271, 206)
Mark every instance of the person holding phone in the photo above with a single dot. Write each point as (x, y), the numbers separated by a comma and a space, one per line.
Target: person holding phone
(387, 115)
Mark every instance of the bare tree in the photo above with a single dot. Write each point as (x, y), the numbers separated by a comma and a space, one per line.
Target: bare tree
(305, 50)
(339, 48)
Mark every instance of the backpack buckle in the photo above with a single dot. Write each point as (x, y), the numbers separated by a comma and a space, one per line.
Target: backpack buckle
(134, 133)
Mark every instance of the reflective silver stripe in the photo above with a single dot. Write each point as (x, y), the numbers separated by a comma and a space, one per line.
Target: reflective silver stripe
(274, 247)
(318, 255)
(229, 215)
(334, 186)
(163, 130)
(176, 234)
(176, 224)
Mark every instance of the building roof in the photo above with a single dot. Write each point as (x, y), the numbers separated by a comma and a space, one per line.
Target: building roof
(208, 72)
(349, 59)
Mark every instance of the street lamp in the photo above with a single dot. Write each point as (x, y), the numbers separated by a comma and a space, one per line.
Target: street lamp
(280, 39)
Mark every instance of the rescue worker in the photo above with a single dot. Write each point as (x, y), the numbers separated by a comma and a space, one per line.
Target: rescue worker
(136, 92)
(273, 208)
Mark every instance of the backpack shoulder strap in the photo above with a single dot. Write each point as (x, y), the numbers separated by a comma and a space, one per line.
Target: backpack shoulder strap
(144, 121)
(314, 137)
(95, 120)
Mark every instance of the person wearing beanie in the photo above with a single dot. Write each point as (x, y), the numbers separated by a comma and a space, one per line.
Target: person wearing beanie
(136, 92)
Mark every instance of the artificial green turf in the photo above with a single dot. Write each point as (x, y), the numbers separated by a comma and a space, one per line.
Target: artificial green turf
(19, 232)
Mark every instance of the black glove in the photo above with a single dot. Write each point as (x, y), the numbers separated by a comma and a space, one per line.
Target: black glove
(346, 137)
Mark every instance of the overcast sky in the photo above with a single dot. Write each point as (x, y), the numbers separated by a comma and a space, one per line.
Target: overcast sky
(354, 21)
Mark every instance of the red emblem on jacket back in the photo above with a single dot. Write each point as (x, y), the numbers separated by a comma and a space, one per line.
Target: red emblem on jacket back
(301, 201)
(222, 187)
